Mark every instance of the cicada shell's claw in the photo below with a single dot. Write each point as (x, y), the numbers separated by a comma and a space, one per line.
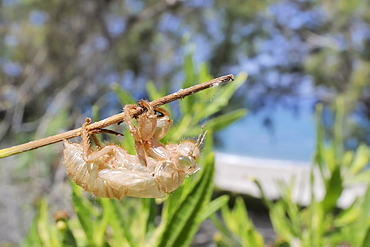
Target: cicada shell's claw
(106, 131)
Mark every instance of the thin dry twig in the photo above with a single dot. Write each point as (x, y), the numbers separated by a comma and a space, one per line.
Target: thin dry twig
(182, 93)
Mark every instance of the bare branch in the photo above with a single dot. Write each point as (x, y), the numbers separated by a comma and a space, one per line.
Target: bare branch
(182, 93)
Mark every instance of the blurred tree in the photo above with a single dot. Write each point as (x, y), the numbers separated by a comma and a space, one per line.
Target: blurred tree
(60, 52)
(339, 63)
(67, 52)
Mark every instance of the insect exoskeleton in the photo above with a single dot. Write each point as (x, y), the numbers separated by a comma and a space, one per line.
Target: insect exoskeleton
(171, 173)
(110, 171)
(120, 174)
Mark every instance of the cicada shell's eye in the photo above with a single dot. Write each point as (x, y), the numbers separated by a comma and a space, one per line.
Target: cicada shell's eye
(186, 161)
(163, 123)
(188, 165)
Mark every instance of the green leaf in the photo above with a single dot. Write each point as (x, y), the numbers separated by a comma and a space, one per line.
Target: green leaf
(204, 73)
(228, 218)
(191, 78)
(124, 97)
(67, 235)
(213, 206)
(248, 234)
(33, 238)
(118, 223)
(190, 71)
(153, 92)
(181, 227)
(226, 237)
(221, 99)
(150, 210)
(334, 190)
(114, 221)
(178, 132)
(364, 222)
(225, 120)
(347, 216)
(172, 203)
(47, 231)
(337, 143)
(361, 159)
(99, 229)
(280, 222)
(95, 118)
(361, 178)
(366, 241)
(319, 157)
(194, 221)
(240, 212)
(263, 196)
(84, 212)
(290, 207)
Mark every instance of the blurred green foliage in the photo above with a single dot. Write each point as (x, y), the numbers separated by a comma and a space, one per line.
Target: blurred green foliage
(321, 222)
(236, 228)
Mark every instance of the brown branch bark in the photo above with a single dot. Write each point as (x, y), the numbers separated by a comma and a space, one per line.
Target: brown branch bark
(182, 93)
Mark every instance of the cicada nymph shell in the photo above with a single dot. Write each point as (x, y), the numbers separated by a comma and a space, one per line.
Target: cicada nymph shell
(155, 170)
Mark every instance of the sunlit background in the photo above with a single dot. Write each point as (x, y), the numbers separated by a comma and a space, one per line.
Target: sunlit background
(59, 58)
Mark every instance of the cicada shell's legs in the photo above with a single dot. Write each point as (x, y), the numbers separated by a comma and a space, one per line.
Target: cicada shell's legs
(100, 131)
(148, 124)
(86, 140)
(168, 178)
(139, 145)
(128, 119)
(147, 121)
(96, 141)
(106, 131)
(98, 154)
(145, 143)
(141, 154)
(88, 155)
(156, 176)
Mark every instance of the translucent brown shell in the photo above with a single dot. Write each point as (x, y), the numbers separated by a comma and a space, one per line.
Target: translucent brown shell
(156, 169)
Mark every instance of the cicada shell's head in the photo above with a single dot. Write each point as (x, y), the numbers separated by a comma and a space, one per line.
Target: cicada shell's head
(188, 153)
(163, 123)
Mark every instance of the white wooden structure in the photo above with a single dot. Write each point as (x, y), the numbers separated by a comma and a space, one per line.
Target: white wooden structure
(236, 173)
